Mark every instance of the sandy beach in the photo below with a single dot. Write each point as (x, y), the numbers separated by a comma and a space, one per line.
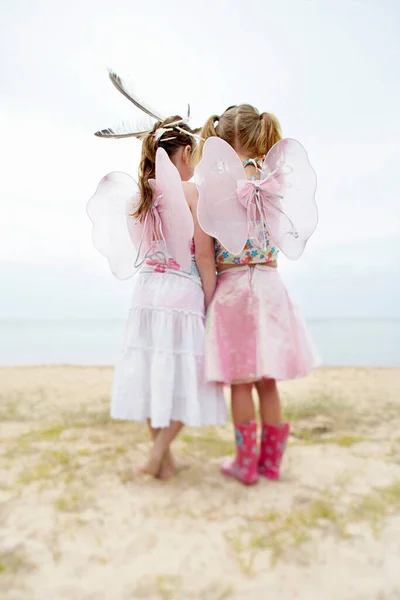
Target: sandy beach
(78, 523)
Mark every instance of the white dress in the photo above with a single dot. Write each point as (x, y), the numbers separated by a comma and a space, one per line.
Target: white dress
(160, 372)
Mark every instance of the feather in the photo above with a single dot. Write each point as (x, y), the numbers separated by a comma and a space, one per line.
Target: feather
(123, 87)
(109, 133)
(127, 129)
(188, 114)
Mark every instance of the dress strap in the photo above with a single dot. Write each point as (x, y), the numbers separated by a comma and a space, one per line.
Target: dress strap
(256, 163)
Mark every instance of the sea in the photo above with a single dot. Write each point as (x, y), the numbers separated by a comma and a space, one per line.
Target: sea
(341, 342)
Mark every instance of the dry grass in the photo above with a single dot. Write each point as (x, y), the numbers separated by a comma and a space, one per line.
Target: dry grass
(167, 587)
(325, 404)
(75, 500)
(15, 561)
(71, 449)
(278, 532)
(209, 444)
(346, 440)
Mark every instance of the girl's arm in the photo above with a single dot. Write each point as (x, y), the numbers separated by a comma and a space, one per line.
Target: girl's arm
(204, 246)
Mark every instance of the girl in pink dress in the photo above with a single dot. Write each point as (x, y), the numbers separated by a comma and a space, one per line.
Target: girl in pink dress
(256, 197)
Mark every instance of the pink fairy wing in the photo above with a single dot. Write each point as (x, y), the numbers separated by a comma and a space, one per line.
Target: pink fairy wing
(176, 218)
(219, 211)
(115, 234)
(290, 183)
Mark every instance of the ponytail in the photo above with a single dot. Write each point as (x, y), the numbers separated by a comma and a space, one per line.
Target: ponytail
(150, 145)
(208, 130)
(269, 133)
(147, 170)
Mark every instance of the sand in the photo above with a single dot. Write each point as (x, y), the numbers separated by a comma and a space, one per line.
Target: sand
(78, 523)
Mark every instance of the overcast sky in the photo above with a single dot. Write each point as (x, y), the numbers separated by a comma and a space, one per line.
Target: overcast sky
(329, 69)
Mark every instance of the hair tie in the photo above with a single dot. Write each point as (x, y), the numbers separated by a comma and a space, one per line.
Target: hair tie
(160, 132)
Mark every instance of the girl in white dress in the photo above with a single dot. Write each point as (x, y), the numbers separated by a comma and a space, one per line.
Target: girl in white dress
(151, 232)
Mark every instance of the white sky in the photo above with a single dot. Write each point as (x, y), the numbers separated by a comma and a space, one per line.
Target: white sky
(329, 69)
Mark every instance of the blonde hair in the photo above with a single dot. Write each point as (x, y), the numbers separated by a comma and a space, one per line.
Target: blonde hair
(170, 141)
(244, 128)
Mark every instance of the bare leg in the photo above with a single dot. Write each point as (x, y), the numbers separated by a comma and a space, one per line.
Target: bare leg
(270, 404)
(168, 466)
(160, 447)
(242, 403)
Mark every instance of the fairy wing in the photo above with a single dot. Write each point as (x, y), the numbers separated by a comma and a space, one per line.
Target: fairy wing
(115, 233)
(290, 184)
(165, 230)
(176, 218)
(219, 211)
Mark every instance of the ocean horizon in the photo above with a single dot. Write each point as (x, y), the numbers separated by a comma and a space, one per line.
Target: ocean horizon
(341, 342)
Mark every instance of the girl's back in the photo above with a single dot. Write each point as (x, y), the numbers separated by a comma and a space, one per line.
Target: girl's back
(252, 204)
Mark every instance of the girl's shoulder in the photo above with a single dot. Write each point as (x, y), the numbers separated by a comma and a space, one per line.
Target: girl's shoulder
(189, 187)
(191, 193)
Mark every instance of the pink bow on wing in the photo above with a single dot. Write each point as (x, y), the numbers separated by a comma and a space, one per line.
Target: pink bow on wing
(152, 231)
(155, 210)
(255, 197)
(158, 259)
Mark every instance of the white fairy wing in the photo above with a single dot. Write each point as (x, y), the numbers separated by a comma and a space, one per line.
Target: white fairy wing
(289, 183)
(165, 231)
(115, 234)
(219, 212)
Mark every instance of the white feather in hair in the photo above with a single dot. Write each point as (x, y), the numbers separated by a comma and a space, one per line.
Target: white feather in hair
(127, 129)
(125, 88)
(187, 114)
(111, 133)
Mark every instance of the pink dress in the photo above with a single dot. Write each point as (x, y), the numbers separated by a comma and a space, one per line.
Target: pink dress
(254, 330)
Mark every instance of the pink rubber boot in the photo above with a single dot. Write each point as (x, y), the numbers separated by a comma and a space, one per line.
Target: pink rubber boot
(245, 466)
(273, 445)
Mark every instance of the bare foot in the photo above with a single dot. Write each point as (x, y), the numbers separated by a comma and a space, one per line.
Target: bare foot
(167, 471)
(152, 466)
(170, 467)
